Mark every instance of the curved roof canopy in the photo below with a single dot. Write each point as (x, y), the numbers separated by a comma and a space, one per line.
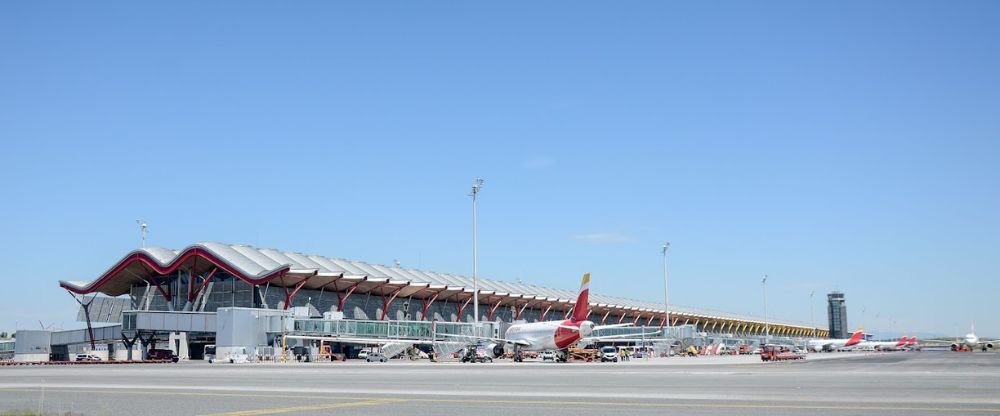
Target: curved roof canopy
(263, 265)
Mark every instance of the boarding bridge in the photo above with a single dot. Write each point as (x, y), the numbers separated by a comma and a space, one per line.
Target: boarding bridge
(650, 333)
(168, 321)
(102, 335)
(389, 330)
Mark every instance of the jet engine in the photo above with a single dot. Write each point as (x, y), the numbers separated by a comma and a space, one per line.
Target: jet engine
(954, 346)
(495, 349)
(989, 345)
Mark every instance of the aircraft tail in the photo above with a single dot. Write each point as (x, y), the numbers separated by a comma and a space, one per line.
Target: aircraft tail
(912, 342)
(855, 338)
(902, 342)
(582, 308)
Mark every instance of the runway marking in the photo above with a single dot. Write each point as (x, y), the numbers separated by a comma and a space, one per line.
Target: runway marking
(306, 408)
(363, 401)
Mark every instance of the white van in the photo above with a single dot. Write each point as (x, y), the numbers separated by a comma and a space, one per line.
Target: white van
(609, 353)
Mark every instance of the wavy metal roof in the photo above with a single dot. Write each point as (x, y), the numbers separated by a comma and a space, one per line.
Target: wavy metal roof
(260, 265)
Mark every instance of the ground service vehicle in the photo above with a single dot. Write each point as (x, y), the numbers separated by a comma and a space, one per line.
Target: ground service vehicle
(477, 354)
(237, 355)
(161, 354)
(778, 353)
(548, 355)
(690, 351)
(609, 354)
(583, 354)
(87, 357)
(210, 353)
(373, 357)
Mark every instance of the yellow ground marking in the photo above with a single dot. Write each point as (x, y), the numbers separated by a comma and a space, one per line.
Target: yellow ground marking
(387, 400)
(306, 408)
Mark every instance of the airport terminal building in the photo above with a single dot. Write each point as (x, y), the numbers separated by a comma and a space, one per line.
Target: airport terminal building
(215, 293)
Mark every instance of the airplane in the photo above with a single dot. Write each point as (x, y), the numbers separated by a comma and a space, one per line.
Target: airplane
(883, 345)
(912, 342)
(818, 345)
(556, 335)
(971, 342)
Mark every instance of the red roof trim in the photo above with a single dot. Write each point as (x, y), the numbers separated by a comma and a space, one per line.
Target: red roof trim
(198, 252)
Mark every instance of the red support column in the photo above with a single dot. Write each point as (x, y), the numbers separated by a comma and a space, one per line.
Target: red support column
(489, 316)
(343, 298)
(427, 305)
(546, 312)
(650, 321)
(462, 309)
(192, 295)
(165, 294)
(387, 303)
(605, 317)
(622, 319)
(636, 321)
(568, 312)
(298, 286)
(517, 316)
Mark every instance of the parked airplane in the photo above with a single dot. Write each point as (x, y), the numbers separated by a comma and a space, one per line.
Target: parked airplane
(883, 345)
(912, 342)
(554, 335)
(972, 341)
(833, 344)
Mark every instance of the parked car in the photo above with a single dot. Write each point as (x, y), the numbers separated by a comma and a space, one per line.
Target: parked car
(548, 355)
(363, 354)
(87, 357)
(609, 353)
(376, 357)
(161, 354)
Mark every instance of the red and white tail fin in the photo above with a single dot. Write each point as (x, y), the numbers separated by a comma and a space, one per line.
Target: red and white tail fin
(902, 342)
(912, 342)
(582, 308)
(855, 338)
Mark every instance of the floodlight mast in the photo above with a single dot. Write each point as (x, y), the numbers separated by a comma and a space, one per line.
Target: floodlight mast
(666, 290)
(476, 187)
(812, 316)
(767, 329)
(143, 227)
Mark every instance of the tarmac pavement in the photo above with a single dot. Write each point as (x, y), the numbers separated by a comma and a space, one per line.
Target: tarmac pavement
(902, 383)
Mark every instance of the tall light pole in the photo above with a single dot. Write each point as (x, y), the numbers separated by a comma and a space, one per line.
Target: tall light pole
(812, 315)
(476, 187)
(666, 291)
(142, 232)
(767, 329)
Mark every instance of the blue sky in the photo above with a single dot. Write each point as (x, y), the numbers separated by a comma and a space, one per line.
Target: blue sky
(845, 146)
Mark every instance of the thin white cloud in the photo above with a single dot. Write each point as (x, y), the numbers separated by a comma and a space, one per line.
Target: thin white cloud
(604, 238)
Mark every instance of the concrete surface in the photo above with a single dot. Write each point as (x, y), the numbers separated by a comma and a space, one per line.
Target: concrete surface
(905, 383)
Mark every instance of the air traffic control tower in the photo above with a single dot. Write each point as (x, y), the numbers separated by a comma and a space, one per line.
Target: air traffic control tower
(837, 313)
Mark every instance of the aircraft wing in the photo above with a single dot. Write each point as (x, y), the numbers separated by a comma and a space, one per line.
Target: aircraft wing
(520, 342)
